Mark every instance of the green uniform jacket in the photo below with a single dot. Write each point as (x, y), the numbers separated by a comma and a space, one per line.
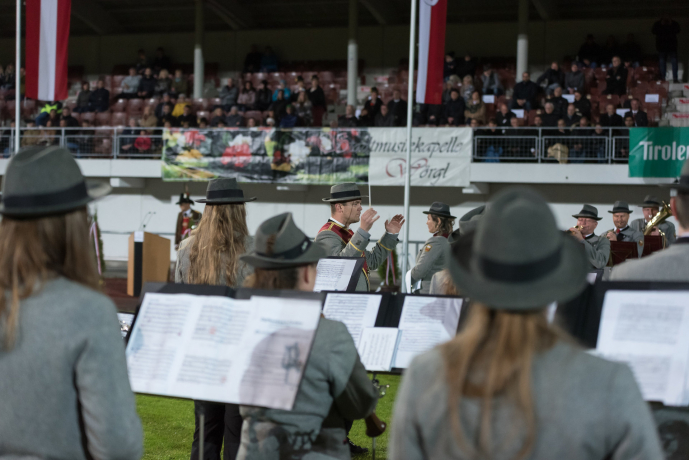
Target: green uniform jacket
(335, 246)
(597, 250)
(630, 235)
(666, 227)
(432, 258)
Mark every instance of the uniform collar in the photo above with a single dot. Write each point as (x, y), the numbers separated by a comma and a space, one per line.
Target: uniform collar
(588, 237)
(623, 228)
(338, 223)
(188, 212)
(445, 235)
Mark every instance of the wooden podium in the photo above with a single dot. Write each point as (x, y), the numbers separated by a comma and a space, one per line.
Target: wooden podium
(149, 260)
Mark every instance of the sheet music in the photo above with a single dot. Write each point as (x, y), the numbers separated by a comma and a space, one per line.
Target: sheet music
(334, 274)
(649, 330)
(220, 349)
(356, 311)
(377, 348)
(425, 323)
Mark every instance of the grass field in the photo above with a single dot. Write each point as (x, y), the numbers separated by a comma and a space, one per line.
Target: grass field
(169, 425)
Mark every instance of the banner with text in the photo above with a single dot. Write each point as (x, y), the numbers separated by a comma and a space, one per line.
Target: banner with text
(657, 152)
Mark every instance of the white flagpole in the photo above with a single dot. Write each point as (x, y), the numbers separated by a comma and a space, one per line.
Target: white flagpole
(17, 78)
(407, 176)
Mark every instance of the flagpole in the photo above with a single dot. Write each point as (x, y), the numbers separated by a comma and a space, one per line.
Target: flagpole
(407, 175)
(17, 78)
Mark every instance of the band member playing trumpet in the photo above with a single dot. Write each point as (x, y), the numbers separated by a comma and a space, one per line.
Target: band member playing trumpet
(597, 248)
(622, 231)
(650, 207)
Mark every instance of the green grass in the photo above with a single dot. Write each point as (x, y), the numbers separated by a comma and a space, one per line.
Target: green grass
(169, 425)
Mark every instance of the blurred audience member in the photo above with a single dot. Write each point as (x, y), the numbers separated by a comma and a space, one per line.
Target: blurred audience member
(179, 84)
(398, 108)
(574, 80)
(228, 95)
(491, 82)
(552, 78)
(147, 84)
(99, 100)
(130, 84)
(247, 97)
(475, 108)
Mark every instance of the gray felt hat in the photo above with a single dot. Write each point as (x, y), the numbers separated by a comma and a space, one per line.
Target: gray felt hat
(41, 181)
(224, 191)
(498, 266)
(291, 246)
(588, 211)
(651, 201)
(347, 191)
(440, 209)
(682, 185)
(620, 206)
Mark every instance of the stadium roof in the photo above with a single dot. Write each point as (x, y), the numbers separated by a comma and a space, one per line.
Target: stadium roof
(100, 17)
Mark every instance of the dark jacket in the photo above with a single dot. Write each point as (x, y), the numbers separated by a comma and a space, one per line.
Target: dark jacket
(399, 111)
(666, 36)
(616, 81)
(278, 106)
(611, 120)
(527, 90)
(504, 120)
(559, 105)
(571, 121)
(147, 85)
(583, 107)
(344, 122)
(640, 118)
(373, 107)
(71, 121)
(263, 99)
(190, 118)
(317, 97)
(589, 52)
(575, 80)
(449, 68)
(551, 76)
(455, 109)
(465, 68)
(384, 121)
(235, 121)
(99, 100)
(550, 119)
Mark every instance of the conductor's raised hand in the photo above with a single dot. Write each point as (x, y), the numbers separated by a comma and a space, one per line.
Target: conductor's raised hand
(368, 218)
(394, 225)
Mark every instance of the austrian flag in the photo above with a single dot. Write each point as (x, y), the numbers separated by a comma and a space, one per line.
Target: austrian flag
(432, 21)
(47, 37)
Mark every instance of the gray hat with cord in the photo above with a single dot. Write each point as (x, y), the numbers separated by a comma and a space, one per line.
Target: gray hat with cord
(469, 221)
(224, 191)
(291, 247)
(497, 266)
(347, 191)
(620, 206)
(440, 209)
(682, 184)
(651, 201)
(42, 181)
(588, 211)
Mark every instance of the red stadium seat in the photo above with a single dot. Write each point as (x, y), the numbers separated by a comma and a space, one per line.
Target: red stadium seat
(134, 106)
(119, 106)
(103, 119)
(292, 76)
(151, 102)
(119, 119)
(88, 116)
(200, 104)
(203, 114)
(326, 77)
(255, 114)
(117, 81)
(216, 101)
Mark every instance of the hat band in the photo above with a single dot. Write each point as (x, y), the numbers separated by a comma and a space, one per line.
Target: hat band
(347, 194)
(292, 253)
(520, 272)
(588, 214)
(227, 193)
(75, 193)
(615, 210)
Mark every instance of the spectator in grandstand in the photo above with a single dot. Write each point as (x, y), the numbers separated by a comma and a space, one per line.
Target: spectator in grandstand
(182, 102)
(384, 118)
(455, 108)
(167, 117)
(289, 119)
(2, 77)
(551, 78)
(83, 98)
(349, 119)
(179, 84)
(159, 107)
(574, 80)
(247, 96)
(581, 142)
(449, 86)
(99, 100)
(282, 86)
(488, 146)
(562, 130)
(666, 31)
(559, 102)
(10, 77)
(263, 96)
(537, 121)
(160, 61)
(186, 117)
(474, 123)
(302, 107)
(300, 88)
(148, 119)
(252, 61)
(269, 61)
(70, 121)
(85, 139)
(129, 136)
(269, 122)
(147, 84)
(365, 118)
(435, 114)
(278, 105)
(251, 122)
(143, 143)
(525, 93)
(549, 116)
(228, 95)
(475, 108)
(467, 87)
(610, 118)
(218, 117)
(203, 123)
(317, 98)
(48, 136)
(630, 51)
(130, 84)
(373, 103)
(616, 78)
(29, 137)
(162, 85)
(589, 53)
(571, 118)
(638, 116)
(466, 67)
(141, 62)
(450, 65)
(491, 82)
(611, 49)
(50, 111)
(502, 118)
(398, 108)
(234, 119)
(582, 104)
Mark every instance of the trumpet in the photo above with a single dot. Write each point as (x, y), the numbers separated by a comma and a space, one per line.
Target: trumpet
(578, 227)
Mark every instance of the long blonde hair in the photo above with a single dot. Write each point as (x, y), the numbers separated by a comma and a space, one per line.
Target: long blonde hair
(33, 251)
(492, 357)
(218, 242)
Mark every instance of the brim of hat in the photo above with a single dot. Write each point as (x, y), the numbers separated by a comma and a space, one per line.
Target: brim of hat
(312, 255)
(563, 283)
(439, 214)
(615, 212)
(184, 202)
(587, 216)
(226, 200)
(94, 188)
(678, 187)
(338, 200)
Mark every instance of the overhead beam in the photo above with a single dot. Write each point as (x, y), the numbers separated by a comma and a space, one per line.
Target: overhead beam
(233, 13)
(382, 10)
(94, 16)
(547, 9)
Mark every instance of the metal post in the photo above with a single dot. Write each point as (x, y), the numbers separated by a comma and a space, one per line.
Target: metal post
(352, 53)
(407, 175)
(198, 51)
(17, 78)
(523, 39)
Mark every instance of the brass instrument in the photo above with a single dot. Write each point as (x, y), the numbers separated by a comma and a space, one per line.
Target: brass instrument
(663, 214)
(578, 227)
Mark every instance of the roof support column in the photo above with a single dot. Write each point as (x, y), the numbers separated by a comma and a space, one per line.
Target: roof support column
(523, 39)
(198, 51)
(352, 53)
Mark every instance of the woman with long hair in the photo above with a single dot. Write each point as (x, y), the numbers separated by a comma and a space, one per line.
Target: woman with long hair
(211, 256)
(334, 387)
(510, 385)
(434, 254)
(63, 375)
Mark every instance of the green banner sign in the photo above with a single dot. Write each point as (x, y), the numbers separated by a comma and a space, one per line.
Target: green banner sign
(657, 152)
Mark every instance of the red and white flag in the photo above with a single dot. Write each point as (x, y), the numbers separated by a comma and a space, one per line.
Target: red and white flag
(432, 21)
(47, 37)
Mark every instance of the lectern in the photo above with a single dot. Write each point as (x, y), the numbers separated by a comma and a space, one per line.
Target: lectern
(149, 260)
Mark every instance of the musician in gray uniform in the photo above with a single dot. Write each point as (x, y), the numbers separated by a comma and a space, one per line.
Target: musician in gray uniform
(434, 254)
(597, 248)
(671, 264)
(622, 231)
(338, 240)
(650, 207)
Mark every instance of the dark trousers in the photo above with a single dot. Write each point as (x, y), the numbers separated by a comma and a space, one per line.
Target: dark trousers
(222, 421)
(663, 58)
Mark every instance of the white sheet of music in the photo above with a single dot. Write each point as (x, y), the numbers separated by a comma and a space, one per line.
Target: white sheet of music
(425, 323)
(334, 274)
(377, 348)
(649, 330)
(356, 311)
(220, 349)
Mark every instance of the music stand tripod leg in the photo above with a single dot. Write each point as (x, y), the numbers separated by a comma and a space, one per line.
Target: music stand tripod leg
(202, 423)
(373, 440)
